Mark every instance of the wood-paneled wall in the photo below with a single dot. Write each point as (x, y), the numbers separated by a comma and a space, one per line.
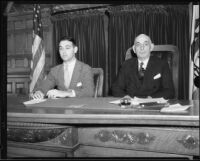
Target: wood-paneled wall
(19, 46)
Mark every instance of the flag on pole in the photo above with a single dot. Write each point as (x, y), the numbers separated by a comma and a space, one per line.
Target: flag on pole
(194, 54)
(38, 52)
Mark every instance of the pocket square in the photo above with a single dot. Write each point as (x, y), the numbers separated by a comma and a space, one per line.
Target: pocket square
(79, 84)
(157, 76)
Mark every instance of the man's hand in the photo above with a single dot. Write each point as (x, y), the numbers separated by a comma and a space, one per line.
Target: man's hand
(58, 93)
(38, 95)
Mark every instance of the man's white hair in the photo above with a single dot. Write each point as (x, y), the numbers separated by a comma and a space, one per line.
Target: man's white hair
(145, 36)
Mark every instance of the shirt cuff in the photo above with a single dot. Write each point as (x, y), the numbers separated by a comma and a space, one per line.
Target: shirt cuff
(73, 94)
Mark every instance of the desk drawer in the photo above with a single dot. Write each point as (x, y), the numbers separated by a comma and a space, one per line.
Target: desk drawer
(182, 141)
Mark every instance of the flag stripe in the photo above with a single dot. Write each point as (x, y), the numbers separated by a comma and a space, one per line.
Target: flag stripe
(36, 43)
(196, 22)
(194, 51)
(196, 64)
(38, 52)
(38, 71)
(37, 55)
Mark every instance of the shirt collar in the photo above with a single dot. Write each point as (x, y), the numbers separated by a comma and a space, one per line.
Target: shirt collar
(144, 61)
(70, 63)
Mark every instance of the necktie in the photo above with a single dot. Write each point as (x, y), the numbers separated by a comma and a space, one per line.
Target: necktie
(141, 71)
(66, 77)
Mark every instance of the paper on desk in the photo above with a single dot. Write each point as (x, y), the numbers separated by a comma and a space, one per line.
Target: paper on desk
(137, 101)
(115, 102)
(33, 101)
(175, 108)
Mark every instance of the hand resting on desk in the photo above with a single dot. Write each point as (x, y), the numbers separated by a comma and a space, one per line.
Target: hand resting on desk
(37, 95)
(54, 93)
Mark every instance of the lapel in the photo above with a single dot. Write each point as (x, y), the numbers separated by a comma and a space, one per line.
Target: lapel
(149, 70)
(75, 74)
(134, 72)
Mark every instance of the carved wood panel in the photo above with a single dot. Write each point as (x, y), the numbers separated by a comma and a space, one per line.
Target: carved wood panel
(182, 141)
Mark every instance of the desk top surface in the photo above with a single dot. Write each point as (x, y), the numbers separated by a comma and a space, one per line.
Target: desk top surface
(97, 111)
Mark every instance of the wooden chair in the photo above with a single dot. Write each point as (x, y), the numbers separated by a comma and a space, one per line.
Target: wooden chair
(98, 81)
(168, 52)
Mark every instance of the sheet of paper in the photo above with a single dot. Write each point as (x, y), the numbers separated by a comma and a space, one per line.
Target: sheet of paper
(115, 102)
(175, 108)
(34, 101)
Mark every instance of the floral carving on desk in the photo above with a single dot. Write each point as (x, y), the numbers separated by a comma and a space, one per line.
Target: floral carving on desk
(32, 135)
(59, 136)
(120, 136)
(189, 141)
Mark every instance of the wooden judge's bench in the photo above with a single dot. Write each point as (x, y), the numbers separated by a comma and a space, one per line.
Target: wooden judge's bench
(93, 127)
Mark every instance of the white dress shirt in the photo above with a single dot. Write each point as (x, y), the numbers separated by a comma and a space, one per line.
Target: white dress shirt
(69, 66)
(145, 62)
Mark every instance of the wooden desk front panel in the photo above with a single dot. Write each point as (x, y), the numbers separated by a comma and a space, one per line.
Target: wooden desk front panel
(41, 140)
(177, 141)
(139, 132)
(16, 150)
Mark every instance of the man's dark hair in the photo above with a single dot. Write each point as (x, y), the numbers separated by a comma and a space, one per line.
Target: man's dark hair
(71, 39)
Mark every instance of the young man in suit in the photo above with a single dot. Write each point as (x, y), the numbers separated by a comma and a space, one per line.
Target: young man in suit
(144, 75)
(72, 78)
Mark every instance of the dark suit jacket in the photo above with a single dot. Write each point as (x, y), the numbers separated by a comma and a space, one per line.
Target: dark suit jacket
(128, 82)
(81, 82)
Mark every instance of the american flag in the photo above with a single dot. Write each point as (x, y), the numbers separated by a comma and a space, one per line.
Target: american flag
(194, 55)
(38, 52)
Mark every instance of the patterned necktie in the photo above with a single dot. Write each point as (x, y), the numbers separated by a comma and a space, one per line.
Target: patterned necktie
(141, 71)
(66, 77)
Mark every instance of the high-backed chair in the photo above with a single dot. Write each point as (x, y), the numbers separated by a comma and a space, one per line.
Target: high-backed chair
(98, 81)
(167, 52)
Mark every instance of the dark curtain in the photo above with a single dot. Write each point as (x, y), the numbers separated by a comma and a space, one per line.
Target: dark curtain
(88, 31)
(165, 24)
(106, 48)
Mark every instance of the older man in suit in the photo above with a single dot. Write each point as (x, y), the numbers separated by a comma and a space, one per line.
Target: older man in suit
(72, 78)
(144, 75)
